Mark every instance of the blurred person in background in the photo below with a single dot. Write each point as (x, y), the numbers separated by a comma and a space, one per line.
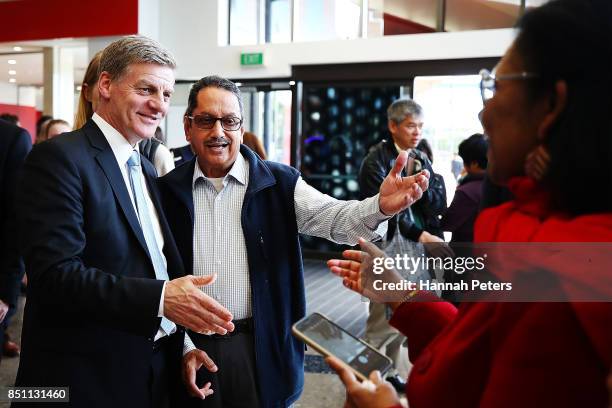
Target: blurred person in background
(538, 354)
(460, 216)
(41, 127)
(88, 98)
(15, 144)
(10, 118)
(252, 141)
(56, 127)
(418, 223)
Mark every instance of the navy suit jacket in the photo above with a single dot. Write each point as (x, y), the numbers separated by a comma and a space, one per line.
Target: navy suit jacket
(15, 144)
(91, 313)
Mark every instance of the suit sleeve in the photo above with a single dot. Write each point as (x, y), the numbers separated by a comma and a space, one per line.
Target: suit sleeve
(52, 223)
(11, 263)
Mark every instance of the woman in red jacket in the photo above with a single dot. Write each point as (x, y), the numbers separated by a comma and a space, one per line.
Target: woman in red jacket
(542, 97)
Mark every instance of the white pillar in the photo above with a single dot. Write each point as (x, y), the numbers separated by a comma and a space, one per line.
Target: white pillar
(59, 82)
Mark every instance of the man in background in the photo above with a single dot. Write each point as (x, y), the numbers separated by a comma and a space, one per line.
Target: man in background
(15, 144)
(418, 223)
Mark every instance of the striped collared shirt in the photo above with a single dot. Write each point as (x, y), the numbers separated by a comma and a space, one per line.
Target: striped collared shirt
(219, 245)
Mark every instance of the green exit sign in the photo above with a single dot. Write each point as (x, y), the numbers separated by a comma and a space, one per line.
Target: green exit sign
(255, 58)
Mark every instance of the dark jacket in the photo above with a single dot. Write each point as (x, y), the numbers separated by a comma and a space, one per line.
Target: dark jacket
(375, 167)
(275, 266)
(93, 300)
(461, 214)
(15, 144)
(182, 154)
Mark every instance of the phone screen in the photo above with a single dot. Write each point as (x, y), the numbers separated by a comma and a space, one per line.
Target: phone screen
(343, 345)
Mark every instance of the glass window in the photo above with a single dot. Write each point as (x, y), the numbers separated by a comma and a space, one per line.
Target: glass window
(464, 15)
(279, 21)
(244, 22)
(451, 105)
(278, 137)
(326, 19)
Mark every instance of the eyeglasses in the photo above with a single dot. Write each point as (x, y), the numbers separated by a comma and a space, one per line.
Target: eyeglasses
(206, 122)
(488, 81)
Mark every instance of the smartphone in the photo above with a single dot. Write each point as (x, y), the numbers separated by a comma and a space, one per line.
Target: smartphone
(410, 163)
(329, 339)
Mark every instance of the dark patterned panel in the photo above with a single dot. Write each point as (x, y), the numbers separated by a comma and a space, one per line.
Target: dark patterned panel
(339, 125)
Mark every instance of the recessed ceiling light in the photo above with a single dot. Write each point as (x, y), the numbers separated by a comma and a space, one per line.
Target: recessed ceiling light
(17, 48)
(291, 83)
(12, 80)
(12, 72)
(79, 87)
(12, 62)
(238, 83)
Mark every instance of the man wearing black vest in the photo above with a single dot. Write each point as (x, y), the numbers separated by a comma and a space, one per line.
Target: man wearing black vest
(236, 215)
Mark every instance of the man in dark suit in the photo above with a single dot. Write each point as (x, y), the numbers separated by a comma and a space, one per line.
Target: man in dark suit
(107, 295)
(15, 144)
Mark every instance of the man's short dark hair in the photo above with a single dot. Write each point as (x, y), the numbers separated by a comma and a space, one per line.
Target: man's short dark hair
(211, 81)
(474, 149)
(9, 117)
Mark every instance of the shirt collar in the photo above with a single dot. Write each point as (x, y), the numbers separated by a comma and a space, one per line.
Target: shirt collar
(122, 149)
(238, 172)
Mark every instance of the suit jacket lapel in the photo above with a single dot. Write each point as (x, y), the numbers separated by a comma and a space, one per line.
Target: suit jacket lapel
(108, 163)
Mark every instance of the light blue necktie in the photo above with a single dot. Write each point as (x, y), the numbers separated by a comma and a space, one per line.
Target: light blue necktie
(147, 228)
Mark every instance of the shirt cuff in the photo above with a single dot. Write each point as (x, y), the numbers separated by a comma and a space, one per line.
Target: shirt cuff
(160, 309)
(371, 214)
(188, 344)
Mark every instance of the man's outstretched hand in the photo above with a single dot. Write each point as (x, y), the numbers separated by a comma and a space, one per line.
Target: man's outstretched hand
(398, 193)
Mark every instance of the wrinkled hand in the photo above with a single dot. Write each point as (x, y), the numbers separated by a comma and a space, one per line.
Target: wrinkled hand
(368, 394)
(4, 308)
(435, 246)
(357, 273)
(185, 304)
(398, 193)
(192, 362)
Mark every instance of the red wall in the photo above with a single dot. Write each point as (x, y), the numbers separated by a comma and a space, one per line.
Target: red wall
(394, 25)
(27, 117)
(45, 19)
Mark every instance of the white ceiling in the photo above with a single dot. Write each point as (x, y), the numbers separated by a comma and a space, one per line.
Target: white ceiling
(29, 61)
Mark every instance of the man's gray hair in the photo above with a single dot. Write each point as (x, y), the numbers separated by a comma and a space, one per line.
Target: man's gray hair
(402, 108)
(134, 49)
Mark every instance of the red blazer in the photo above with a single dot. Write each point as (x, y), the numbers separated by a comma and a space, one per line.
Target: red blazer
(513, 355)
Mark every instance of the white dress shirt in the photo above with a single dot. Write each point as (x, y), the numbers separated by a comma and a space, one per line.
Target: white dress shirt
(122, 150)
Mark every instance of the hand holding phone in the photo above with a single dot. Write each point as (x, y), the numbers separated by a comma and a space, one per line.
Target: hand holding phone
(329, 339)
